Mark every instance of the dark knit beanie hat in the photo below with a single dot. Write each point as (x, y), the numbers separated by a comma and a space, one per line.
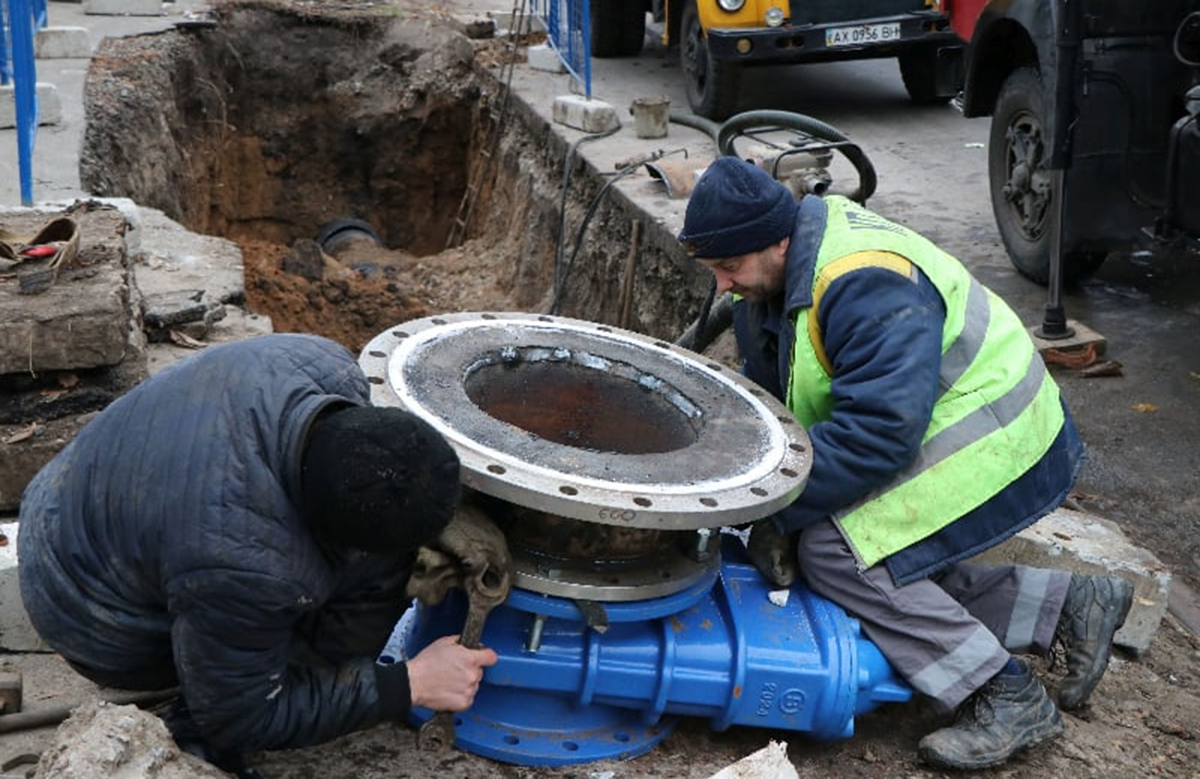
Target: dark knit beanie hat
(736, 208)
(377, 479)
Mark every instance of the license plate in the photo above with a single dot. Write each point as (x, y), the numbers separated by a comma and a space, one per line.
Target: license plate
(863, 34)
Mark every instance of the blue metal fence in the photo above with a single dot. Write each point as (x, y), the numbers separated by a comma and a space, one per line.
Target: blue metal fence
(568, 25)
(19, 19)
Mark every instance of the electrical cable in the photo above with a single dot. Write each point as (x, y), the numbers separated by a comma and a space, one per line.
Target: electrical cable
(559, 274)
(560, 283)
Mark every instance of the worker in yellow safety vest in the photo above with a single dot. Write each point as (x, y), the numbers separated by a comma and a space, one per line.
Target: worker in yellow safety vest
(937, 433)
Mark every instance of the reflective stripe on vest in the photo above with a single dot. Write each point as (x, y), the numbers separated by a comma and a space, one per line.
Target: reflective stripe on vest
(997, 410)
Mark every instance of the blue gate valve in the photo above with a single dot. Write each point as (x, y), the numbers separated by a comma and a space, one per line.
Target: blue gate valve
(564, 692)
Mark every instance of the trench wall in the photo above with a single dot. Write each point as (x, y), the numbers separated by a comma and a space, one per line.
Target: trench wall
(274, 122)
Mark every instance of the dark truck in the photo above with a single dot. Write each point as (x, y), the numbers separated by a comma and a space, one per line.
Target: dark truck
(720, 39)
(1105, 93)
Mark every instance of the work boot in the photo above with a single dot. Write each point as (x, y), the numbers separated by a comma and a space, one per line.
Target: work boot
(1009, 713)
(1095, 608)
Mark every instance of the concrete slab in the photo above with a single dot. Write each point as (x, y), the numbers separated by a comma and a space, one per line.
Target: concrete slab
(49, 106)
(62, 43)
(1087, 544)
(546, 59)
(133, 257)
(172, 258)
(82, 320)
(591, 116)
(520, 24)
(123, 7)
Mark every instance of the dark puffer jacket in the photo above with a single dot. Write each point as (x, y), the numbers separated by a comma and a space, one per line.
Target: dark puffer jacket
(165, 538)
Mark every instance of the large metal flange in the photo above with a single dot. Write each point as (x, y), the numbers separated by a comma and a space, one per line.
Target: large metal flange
(592, 422)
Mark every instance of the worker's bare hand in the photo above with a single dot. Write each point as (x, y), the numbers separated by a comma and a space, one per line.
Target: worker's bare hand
(445, 675)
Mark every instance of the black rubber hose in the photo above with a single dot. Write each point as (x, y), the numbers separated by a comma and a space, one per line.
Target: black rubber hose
(560, 272)
(715, 319)
(696, 122)
(819, 130)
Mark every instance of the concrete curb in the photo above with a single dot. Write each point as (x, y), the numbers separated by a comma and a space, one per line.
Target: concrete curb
(62, 43)
(1086, 544)
(49, 106)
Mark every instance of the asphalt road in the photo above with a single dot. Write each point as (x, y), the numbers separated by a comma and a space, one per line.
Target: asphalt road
(1143, 468)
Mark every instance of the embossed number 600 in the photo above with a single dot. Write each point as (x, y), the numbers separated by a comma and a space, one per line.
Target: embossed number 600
(624, 515)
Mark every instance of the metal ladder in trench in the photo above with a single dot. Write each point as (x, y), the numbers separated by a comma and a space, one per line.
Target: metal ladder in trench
(497, 112)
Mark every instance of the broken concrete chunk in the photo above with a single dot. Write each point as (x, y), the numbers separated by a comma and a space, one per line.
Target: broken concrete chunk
(770, 762)
(105, 741)
(186, 311)
(1087, 544)
(166, 309)
(476, 27)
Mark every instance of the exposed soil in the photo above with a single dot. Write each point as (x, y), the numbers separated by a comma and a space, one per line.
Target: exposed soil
(226, 133)
(367, 286)
(288, 116)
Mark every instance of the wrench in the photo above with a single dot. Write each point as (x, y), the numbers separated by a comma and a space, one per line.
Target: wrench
(484, 593)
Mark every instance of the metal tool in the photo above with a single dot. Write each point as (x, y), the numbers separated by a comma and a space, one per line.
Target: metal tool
(485, 591)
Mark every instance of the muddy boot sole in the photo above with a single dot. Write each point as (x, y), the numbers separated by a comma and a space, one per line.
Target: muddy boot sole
(1076, 689)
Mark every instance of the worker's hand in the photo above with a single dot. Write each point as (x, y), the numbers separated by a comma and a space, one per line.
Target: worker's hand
(773, 553)
(445, 675)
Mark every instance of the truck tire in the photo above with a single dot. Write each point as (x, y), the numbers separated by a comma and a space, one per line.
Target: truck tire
(919, 71)
(1021, 182)
(618, 27)
(712, 86)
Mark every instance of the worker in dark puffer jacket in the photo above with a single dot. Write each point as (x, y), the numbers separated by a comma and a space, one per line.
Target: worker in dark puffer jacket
(242, 525)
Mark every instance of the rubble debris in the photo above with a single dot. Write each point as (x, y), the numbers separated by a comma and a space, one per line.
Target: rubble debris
(187, 311)
(105, 741)
(770, 762)
(38, 259)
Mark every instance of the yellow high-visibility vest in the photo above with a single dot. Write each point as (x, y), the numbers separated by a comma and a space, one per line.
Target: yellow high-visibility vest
(998, 410)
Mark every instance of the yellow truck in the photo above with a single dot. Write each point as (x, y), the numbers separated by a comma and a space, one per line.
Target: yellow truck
(718, 40)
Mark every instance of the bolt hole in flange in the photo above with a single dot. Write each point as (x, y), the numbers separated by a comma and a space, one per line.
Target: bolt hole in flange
(598, 447)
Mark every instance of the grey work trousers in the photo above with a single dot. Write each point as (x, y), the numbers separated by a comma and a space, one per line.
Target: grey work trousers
(946, 635)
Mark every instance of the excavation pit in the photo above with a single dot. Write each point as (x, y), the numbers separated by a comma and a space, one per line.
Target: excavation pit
(274, 122)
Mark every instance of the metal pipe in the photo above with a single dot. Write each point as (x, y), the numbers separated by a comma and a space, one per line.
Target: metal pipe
(27, 720)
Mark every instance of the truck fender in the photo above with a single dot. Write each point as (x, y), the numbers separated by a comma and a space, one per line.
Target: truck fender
(1009, 34)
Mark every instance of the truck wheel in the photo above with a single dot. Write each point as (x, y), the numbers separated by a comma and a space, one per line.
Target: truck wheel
(919, 71)
(712, 86)
(1021, 184)
(618, 27)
